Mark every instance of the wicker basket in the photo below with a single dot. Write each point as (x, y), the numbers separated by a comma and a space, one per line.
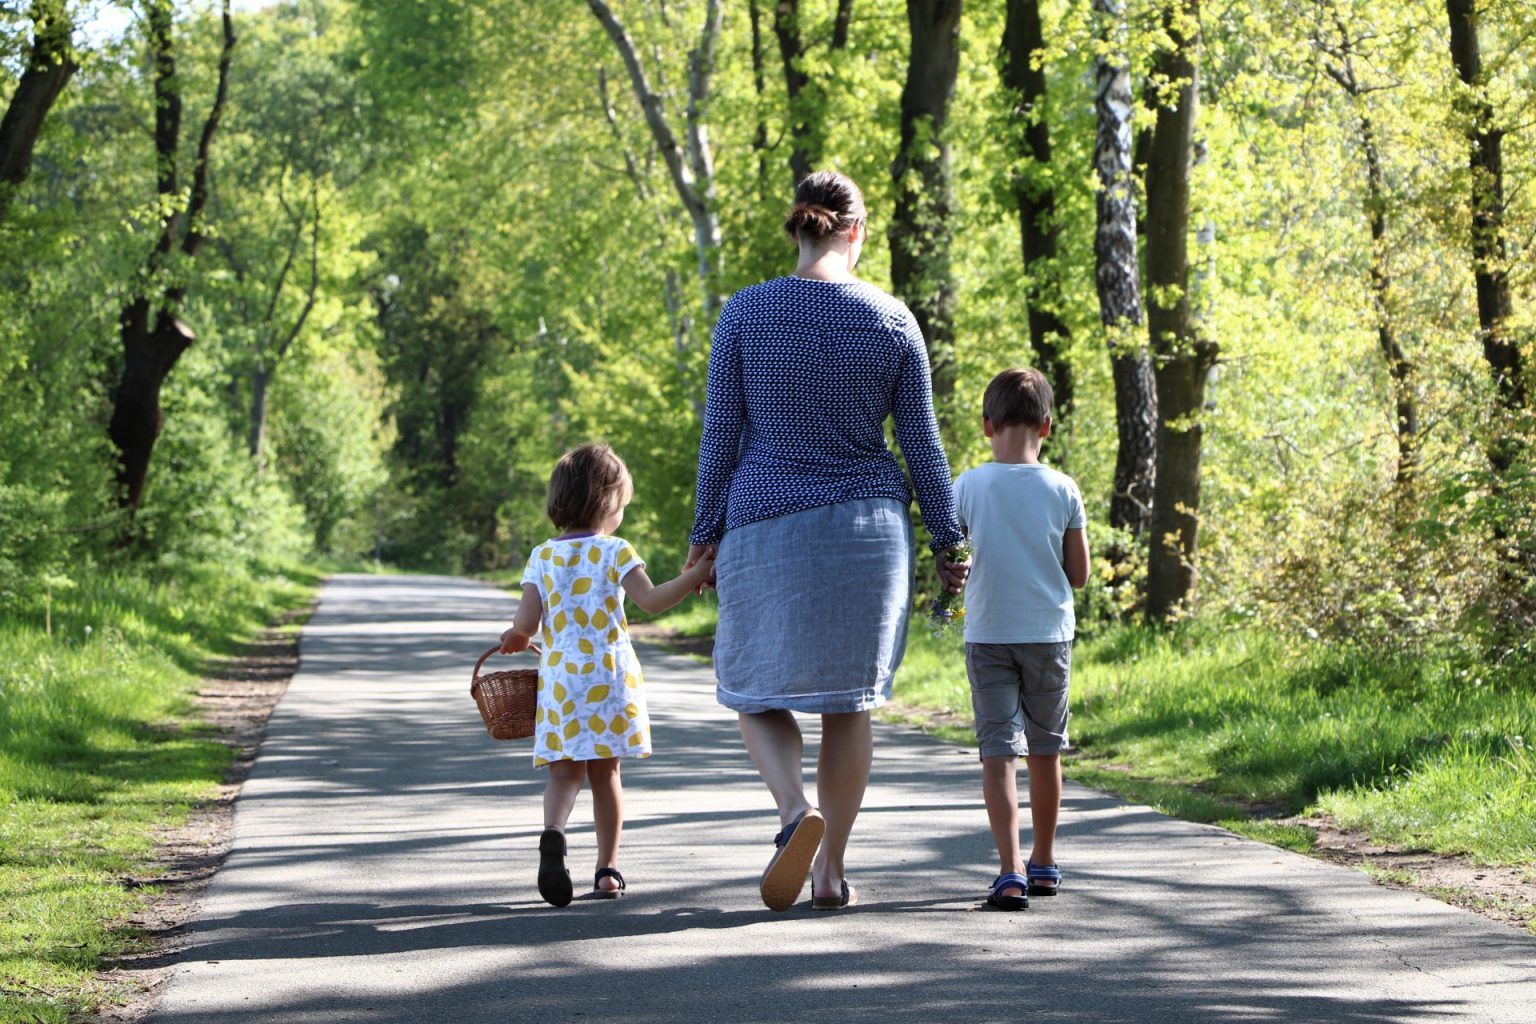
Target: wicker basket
(507, 699)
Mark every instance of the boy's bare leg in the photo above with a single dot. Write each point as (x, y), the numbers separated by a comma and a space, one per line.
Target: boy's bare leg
(607, 814)
(1044, 805)
(842, 775)
(560, 791)
(1000, 790)
(776, 747)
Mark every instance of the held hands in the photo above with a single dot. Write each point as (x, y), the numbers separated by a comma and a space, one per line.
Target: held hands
(513, 642)
(700, 566)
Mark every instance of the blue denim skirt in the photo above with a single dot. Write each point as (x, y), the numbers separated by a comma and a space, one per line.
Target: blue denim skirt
(814, 608)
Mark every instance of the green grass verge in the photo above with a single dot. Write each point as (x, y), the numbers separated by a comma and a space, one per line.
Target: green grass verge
(697, 616)
(1239, 728)
(98, 752)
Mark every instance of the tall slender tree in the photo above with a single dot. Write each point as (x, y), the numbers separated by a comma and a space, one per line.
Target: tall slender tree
(921, 231)
(1490, 253)
(50, 63)
(1035, 196)
(1182, 357)
(1341, 46)
(807, 100)
(152, 332)
(1118, 278)
(690, 163)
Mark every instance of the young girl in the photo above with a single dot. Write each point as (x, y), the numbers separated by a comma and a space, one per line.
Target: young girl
(591, 707)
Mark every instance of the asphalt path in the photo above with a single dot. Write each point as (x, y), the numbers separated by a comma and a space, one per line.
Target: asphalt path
(384, 869)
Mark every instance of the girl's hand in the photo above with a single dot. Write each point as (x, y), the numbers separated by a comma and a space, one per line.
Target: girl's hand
(513, 642)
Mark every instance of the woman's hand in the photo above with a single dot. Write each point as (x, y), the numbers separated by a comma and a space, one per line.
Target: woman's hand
(952, 574)
(701, 553)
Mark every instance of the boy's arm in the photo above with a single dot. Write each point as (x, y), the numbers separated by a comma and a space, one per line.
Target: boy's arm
(1074, 556)
(656, 598)
(525, 624)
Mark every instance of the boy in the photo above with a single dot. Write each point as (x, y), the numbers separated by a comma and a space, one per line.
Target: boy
(1025, 523)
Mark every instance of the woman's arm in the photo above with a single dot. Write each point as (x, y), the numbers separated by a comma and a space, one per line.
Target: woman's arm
(724, 415)
(525, 624)
(917, 431)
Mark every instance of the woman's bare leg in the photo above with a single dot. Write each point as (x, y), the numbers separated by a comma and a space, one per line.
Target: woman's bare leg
(842, 773)
(776, 747)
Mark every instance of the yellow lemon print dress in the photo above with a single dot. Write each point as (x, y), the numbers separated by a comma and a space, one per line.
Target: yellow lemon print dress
(591, 696)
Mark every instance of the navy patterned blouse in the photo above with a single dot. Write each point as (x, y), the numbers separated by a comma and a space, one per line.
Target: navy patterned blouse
(802, 375)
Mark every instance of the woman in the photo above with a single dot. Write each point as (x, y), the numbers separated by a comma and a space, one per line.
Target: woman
(809, 510)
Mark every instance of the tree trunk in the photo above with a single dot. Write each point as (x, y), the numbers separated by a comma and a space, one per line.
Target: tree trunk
(1117, 276)
(690, 163)
(1036, 198)
(49, 67)
(1489, 254)
(1343, 49)
(150, 350)
(1182, 359)
(840, 24)
(1507, 453)
(921, 231)
(786, 28)
(1398, 364)
(152, 334)
(759, 87)
(261, 378)
(807, 99)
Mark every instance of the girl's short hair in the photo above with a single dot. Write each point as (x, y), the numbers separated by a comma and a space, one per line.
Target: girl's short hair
(589, 482)
(827, 204)
(1021, 395)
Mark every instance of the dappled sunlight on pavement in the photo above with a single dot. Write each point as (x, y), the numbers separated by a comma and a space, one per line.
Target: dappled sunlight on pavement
(384, 867)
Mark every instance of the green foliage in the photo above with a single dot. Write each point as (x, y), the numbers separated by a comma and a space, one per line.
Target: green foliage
(98, 753)
(1427, 749)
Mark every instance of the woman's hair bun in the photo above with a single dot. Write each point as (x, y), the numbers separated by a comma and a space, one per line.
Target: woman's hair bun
(809, 220)
(826, 204)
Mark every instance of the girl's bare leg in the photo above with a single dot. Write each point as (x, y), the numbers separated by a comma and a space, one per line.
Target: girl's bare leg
(776, 747)
(607, 813)
(561, 790)
(842, 773)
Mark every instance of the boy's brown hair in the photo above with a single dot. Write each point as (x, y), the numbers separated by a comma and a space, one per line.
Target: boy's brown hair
(589, 482)
(1020, 395)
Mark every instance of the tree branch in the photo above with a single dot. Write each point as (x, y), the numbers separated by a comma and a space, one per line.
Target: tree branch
(199, 197)
(50, 65)
(314, 277)
(650, 104)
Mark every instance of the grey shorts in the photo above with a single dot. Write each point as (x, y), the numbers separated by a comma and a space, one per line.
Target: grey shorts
(1019, 694)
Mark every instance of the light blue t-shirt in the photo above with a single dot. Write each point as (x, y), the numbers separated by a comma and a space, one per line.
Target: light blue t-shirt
(1016, 516)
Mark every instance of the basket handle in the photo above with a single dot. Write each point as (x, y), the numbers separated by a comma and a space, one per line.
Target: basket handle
(476, 673)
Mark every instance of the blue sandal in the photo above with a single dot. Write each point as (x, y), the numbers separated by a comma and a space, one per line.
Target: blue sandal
(1011, 880)
(796, 846)
(1042, 873)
